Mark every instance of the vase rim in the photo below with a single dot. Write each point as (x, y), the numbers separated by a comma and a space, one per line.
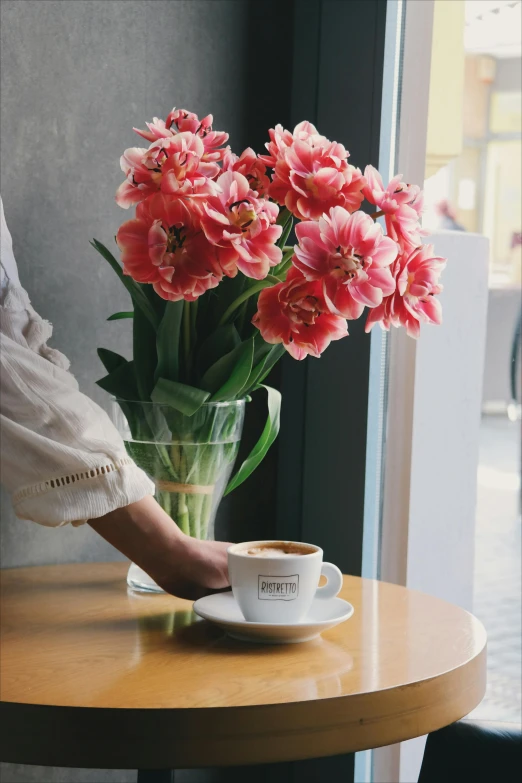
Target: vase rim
(222, 404)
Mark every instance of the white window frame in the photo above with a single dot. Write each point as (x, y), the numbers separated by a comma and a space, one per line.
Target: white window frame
(427, 542)
(412, 125)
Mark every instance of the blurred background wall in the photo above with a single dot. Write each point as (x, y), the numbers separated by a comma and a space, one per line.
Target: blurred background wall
(474, 159)
(76, 77)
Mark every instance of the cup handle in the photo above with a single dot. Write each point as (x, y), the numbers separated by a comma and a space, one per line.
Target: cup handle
(334, 583)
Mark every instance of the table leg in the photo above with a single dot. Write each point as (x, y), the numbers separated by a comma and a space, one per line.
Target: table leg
(155, 776)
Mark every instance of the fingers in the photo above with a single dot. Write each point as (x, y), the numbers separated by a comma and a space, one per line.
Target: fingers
(219, 590)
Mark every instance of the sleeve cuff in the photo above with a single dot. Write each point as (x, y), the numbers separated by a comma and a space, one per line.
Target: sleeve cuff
(88, 495)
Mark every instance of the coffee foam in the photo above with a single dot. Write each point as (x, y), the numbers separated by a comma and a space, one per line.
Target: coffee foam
(259, 551)
(278, 549)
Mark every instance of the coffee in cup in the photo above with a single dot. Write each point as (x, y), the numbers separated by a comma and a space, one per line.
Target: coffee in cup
(277, 581)
(279, 549)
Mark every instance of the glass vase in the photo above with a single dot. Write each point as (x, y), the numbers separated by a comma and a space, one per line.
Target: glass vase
(189, 459)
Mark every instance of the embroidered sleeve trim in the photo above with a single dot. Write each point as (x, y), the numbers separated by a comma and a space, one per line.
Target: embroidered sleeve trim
(71, 478)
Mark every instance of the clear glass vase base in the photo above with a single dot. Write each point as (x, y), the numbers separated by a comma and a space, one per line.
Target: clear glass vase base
(138, 580)
(189, 459)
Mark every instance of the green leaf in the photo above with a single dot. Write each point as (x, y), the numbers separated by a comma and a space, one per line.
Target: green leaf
(120, 316)
(167, 342)
(222, 340)
(253, 290)
(219, 373)
(261, 348)
(283, 217)
(121, 382)
(268, 436)
(137, 295)
(156, 302)
(183, 398)
(144, 354)
(287, 227)
(261, 370)
(286, 262)
(110, 360)
(212, 305)
(239, 376)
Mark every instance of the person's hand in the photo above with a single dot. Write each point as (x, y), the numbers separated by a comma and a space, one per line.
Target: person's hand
(196, 568)
(181, 565)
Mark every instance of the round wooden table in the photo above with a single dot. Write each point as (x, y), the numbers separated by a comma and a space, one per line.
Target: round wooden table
(95, 676)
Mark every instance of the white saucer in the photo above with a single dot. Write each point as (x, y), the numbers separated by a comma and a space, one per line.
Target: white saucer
(222, 609)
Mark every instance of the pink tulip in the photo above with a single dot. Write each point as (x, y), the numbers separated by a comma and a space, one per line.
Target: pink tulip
(242, 226)
(179, 121)
(417, 274)
(311, 173)
(314, 176)
(165, 246)
(251, 166)
(295, 313)
(174, 165)
(185, 171)
(350, 256)
(280, 139)
(188, 121)
(156, 130)
(402, 206)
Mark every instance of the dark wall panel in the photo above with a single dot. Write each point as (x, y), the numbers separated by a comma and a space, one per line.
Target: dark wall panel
(323, 443)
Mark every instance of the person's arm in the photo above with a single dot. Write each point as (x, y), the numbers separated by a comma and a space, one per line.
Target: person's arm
(63, 461)
(179, 564)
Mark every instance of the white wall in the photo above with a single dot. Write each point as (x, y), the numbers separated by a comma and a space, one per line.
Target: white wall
(448, 394)
(429, 519)
(446, 420)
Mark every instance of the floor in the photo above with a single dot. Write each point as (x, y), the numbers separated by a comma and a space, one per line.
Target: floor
(498, 595)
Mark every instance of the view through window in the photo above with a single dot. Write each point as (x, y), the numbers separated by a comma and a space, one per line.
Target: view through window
(474, 184)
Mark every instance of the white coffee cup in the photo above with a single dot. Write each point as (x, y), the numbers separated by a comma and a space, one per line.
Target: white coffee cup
(276, 581)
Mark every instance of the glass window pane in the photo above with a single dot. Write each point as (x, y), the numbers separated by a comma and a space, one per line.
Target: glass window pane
(477, 188)
(506, 112)
(503, 211)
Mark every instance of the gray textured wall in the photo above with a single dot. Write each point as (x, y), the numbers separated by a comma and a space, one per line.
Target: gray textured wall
(76, 76)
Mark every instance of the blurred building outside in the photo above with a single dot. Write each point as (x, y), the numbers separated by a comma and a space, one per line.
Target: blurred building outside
(473, 184)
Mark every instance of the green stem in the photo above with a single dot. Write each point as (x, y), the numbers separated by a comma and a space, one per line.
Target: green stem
(196, 516)
(205, 515)
(210, 465)
(286, 262)
(283, 217)
(254, 289)
(165, 502)
(193, 319)
(175, 459)
(186, 338)
(283, 269)
(165, 461)
(241, 320)
(183, 520)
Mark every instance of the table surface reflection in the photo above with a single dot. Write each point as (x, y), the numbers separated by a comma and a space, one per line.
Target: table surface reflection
(77, 642)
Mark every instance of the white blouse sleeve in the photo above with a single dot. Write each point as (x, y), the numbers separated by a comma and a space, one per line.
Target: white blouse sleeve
(62, 459)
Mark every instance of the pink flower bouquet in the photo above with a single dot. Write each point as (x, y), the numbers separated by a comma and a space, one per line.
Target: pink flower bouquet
(219, 293)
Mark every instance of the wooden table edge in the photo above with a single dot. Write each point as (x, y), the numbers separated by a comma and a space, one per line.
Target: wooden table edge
(156, 738)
